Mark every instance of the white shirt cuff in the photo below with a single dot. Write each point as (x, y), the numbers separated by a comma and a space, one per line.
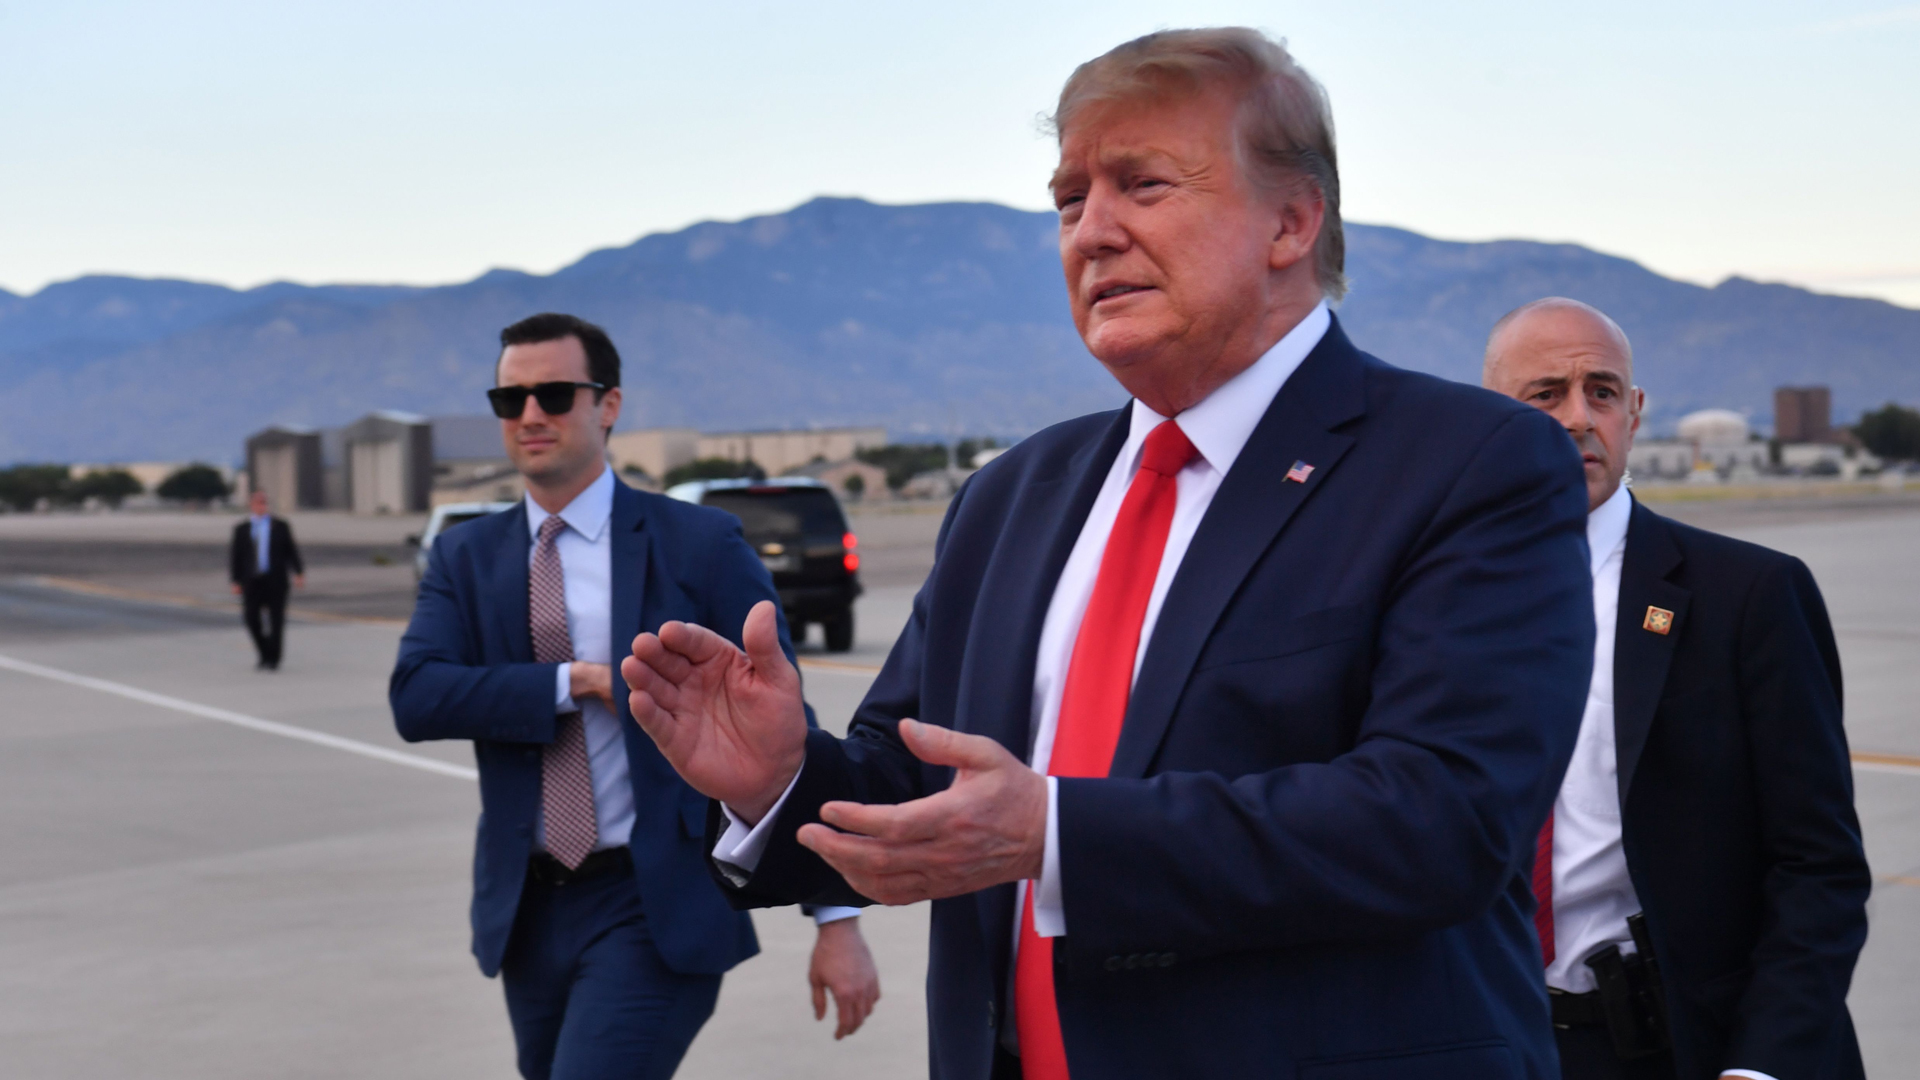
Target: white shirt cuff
(1750, 1074)
(824, 915)
(563, 690)
(740, 846)
(1049, 911)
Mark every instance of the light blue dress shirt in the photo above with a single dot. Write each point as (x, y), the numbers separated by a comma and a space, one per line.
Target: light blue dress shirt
(262, 541)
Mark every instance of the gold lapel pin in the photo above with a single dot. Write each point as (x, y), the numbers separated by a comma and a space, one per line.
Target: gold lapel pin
(1659, 620)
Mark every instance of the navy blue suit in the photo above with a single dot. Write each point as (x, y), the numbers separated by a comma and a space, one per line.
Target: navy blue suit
(466, 671)
(1309, 858)
(1737, 802)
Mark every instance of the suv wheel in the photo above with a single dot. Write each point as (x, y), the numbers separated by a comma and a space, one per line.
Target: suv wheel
(839, 631)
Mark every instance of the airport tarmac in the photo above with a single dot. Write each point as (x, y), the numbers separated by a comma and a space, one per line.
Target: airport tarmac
(221, 873)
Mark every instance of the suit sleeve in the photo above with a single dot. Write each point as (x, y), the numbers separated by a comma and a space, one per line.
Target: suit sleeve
(1479, 674)
(1817, 883)
(294, 565)
(870, 765)
(237, 555)
(439, 690)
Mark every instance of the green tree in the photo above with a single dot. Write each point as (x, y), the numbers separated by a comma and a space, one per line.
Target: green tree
(195, 483)
(110, 486)
(855, 486)
(23, 486)
(714, 468)
(904, 461)
(1890, 431)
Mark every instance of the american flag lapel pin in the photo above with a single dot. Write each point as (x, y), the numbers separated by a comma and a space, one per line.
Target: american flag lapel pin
(1659, 620)
(1300, 471)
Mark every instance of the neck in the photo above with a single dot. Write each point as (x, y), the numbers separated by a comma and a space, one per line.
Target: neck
(555, 496)
(1171, 389)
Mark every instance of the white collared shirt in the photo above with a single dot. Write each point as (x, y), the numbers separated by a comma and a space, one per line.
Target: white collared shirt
(1219, 428)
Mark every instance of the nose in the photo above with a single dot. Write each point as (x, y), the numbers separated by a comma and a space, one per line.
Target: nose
(1099, 230)
(1576, 416)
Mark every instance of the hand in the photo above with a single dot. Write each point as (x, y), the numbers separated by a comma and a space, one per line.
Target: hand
(299, 581)
(590, 681)
(236, 588)
(730, 722)
(842, 964)
(988, 827)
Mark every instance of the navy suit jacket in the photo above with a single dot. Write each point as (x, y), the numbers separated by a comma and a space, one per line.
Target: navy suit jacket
(1362, 691)
(1737, 802)
(466, 671)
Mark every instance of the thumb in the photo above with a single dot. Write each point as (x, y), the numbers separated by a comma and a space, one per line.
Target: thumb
(760, 638)
(937, 745)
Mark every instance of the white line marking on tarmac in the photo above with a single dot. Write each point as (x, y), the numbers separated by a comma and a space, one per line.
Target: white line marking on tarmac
(252, 723)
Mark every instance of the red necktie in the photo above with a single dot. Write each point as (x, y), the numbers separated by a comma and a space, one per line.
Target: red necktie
(1543, 889)
(1094, 703)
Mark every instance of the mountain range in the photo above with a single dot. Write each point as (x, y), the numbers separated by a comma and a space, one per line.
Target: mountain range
(930, 319)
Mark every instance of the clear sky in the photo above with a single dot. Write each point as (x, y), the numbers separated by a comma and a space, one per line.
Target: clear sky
(425, 143)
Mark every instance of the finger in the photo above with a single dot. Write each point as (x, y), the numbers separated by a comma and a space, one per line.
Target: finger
(937, 745)
(761, 636)
(819, 998)
(642, 678)
(654, 653)
(693, 642)
(843, 1014)
(900, 823)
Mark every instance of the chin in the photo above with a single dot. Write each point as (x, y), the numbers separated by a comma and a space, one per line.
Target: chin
(1122, 343)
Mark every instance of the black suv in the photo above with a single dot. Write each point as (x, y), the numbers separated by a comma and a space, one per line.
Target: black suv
(797, 527)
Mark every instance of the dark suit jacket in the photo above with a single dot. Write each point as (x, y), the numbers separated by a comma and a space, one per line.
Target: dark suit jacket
(1737, 802)
(466, 671)
(283, 555)
(1351, 721)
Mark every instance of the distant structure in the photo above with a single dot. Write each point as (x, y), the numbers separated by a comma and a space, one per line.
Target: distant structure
(655, 451)
(1803, 414)
(389, 463)
(1723, 445)
(287, 463)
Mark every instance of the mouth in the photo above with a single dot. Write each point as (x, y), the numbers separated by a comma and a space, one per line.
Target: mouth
(1112, 292)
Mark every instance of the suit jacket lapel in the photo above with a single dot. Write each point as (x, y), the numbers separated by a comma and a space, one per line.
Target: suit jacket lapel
(510, 584)
(631, 552)
(1254, 503)
(1642, 657)
(1005, 641)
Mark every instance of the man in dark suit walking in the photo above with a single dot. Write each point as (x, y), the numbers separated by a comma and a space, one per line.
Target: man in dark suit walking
(260, 561)
(1222, 729)
(1701, 882)
(591, 896)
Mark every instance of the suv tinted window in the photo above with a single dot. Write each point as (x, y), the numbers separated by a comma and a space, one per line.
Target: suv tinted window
(781, 511)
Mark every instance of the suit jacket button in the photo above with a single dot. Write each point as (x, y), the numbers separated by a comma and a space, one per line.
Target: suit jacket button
(1166, 959)
(991, 1011)
(1113, 963)
(1133, 961)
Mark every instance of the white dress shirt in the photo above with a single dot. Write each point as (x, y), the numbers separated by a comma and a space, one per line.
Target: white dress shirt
(1219, 428)
(586, 561)
(1592, 891)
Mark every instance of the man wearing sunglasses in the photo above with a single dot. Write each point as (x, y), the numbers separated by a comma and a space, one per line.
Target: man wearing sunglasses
(592, 897)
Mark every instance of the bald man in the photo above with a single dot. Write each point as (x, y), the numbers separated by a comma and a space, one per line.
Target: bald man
(1701, 882)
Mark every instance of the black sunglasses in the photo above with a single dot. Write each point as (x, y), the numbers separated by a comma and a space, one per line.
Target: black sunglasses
(555, 398)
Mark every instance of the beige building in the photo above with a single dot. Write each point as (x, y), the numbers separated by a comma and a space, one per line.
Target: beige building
(657, 450)
(852, 479)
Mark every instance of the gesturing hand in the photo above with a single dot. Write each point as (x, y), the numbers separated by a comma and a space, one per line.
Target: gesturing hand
(730, 722)
(988, 827)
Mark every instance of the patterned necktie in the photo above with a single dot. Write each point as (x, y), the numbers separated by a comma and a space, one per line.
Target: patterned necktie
(1543, 889)
(566, 783)
(1094, 704)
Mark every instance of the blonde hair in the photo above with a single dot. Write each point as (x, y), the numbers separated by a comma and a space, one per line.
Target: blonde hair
(1286, 122)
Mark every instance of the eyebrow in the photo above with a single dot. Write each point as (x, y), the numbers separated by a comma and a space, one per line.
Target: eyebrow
(1121, 160)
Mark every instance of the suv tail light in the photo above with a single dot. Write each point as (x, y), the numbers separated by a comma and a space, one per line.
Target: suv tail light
(850, 560)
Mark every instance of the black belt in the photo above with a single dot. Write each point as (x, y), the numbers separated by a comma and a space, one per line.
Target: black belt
(1577, 1010)
(548, 870)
